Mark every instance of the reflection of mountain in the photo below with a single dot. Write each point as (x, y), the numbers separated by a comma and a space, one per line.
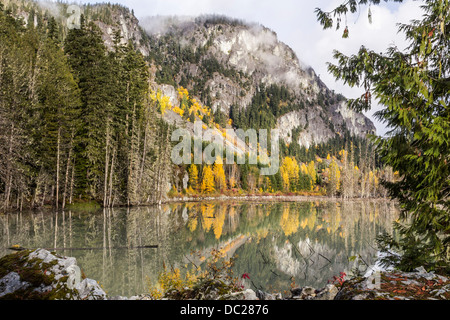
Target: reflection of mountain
(273, 242)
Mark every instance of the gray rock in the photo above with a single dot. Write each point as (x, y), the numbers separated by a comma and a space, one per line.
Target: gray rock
(411, 282)
(62, 272)
(11, 283)
(328, 293)
(296, 291)
(421, 270)
(89, 289)
(267, 296)
(308, 291)
(243, 295)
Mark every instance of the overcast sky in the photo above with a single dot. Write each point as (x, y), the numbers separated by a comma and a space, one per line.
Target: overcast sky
(296, 25)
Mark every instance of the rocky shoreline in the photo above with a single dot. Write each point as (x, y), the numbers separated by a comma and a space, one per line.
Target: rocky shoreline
(42, 275)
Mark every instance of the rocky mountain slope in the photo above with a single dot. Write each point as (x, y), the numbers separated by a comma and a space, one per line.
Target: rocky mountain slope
(227, 64)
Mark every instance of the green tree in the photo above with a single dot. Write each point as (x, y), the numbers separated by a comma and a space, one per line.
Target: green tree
(59, 107)
(413, 87)
(87, 57)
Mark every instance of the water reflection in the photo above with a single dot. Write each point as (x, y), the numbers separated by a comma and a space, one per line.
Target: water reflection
(275, 243)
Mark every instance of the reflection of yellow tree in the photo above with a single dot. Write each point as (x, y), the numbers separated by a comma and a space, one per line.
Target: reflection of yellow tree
(312, 218)
(335, 219)
(289, 221)
(304, 223)
(207, 216)
(192, 217)
(219, 221)
(261, 234)
(192, 224)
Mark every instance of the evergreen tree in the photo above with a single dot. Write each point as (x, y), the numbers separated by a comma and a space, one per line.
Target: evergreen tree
(59, 108)
(87, 57)
(413, 86)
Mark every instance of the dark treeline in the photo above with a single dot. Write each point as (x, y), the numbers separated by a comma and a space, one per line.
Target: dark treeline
(76, 120)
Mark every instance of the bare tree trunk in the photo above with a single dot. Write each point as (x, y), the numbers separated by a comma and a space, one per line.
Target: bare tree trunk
(58, 151)
(72, 182)
(66, 181)
(8, 169)
(144, 153)
(132, 161)
(43, 195)
(110, 202)
(105, 184)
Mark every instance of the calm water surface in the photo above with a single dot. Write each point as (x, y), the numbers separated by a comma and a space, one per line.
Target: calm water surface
(275, 243)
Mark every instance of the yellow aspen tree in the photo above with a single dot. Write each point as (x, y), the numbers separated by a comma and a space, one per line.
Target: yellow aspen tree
(334, 179)
(312, 173)
(289, 173)
(219, 174)
(208, 185)
(304, 169)
(193, 177)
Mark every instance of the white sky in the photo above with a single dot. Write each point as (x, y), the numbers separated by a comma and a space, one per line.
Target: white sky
(296, 25)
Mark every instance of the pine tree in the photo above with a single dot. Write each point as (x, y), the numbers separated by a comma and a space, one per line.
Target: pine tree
(59, 108)
(413, 86)
(87, 57)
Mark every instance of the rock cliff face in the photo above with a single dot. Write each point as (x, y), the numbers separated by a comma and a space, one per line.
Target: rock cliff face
(226, 62)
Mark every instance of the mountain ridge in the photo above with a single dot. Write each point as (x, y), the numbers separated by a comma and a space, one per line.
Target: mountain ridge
(224, 62)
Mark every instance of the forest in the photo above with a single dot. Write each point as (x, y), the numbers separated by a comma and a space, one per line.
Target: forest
(86, 123)
(81, 122)
(77, 123)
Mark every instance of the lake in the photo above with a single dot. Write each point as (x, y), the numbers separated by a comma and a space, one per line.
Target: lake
(276, 244)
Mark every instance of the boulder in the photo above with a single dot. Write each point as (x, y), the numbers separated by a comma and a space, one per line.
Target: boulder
(248, 294)
(328, 293)
(41, 275)
(264, 296)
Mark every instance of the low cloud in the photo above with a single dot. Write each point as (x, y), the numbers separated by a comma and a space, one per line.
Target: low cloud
(296, 25)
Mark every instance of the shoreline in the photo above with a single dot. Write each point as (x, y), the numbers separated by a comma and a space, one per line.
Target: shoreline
(270, 198)
(93, 205)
